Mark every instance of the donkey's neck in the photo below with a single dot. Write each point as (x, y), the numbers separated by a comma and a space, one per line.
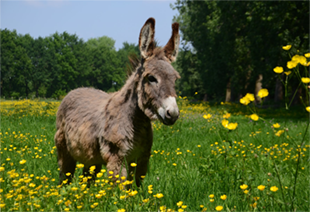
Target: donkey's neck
(122, 111)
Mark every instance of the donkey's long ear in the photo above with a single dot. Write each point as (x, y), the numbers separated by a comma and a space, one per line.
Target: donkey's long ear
(172, 47)
(146, 38)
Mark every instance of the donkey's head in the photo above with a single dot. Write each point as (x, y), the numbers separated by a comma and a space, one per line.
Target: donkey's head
(156, 92)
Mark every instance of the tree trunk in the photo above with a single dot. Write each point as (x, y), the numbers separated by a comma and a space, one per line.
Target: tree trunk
(228, 91)
(258, 86)
(278, 96)
(205, 98)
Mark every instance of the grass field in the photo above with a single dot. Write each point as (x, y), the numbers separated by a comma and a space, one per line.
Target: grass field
(198, 164)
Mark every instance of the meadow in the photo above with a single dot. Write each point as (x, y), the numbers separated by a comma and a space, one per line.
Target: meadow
(220, 157)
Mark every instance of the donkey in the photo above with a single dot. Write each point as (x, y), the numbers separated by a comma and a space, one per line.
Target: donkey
(97, 128)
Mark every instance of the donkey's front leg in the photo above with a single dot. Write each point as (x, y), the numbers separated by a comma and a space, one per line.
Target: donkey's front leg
(141, 169)
(116, 166)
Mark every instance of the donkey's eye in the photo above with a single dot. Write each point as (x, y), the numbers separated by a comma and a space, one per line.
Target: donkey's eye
(151, 78)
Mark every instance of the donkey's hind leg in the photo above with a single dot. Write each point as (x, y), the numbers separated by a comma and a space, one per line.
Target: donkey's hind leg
(66, 162)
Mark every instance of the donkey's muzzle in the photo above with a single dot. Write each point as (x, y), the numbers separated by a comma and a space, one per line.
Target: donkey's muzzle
(169, 112)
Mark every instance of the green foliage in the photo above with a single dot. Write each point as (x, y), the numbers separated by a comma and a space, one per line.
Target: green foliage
(230, 41)
(106, 73)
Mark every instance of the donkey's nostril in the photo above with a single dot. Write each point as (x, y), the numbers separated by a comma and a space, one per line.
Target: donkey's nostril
(168, 114)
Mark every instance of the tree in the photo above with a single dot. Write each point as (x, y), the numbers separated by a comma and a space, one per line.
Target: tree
(64, 75)
(128, 50)
(106, 72)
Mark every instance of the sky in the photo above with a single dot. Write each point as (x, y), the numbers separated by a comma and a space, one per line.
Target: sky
(119, 20)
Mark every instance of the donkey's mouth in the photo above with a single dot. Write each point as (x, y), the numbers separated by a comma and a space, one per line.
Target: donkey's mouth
(170, 121)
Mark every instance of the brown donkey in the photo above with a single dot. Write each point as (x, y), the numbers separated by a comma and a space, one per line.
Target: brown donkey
(115, 129)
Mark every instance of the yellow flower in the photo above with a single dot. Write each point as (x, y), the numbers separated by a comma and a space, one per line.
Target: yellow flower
(180, 203)
(232, 126)
(261, 187)
(308, 109)
(226, 116)
(287, 72)
(74, 189)
(162, 208)
(145, 200)
(244, 101)
(244, 186)
(225, 123)
(2, 169)
(305, 80)
(262, 93)
(22, 161)
(250, 97)
(211, 200)
(92, 169)
(278, 69)
(246, 191)
(98, 196)
(219, 208)
(254, 117)
(80, 165)
(279, 133)
(287, 47)
(211, 196)
(307, 55)
(223, 197)
(254, 205)
(207, 116)
(276, 125)
(121, 210)
(159, 195)
(274, 188)
(99, 175)
(291, 64)
(133, 164)
(133, 193)
(256, 198)
(300, 59)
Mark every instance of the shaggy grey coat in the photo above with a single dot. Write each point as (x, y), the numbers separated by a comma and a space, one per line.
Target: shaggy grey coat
(96, 128)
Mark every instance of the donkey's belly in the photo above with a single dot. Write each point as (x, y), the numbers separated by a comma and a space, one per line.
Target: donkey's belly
(85, 151)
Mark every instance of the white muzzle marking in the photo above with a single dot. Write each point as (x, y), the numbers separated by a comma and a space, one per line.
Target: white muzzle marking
(170, 107)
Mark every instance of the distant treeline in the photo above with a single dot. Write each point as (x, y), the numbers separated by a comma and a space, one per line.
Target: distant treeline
(54, 65)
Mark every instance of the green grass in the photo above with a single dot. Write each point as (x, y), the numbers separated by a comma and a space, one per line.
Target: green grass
(191, 160)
